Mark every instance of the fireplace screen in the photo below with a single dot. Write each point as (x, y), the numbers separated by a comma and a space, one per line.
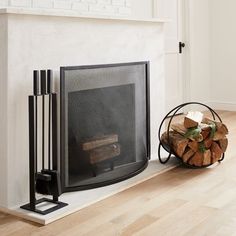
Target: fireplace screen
(104, 124)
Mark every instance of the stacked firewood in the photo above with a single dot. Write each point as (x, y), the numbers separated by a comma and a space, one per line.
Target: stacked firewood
(101, 148)
(198, 141)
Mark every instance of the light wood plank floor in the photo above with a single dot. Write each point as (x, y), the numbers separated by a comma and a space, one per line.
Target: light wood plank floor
(179, 202)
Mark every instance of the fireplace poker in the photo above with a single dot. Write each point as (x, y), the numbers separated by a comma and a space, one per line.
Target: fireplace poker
(49, 92)
(43, 92)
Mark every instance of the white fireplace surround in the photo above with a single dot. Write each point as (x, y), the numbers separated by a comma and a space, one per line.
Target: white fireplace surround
(40, 40)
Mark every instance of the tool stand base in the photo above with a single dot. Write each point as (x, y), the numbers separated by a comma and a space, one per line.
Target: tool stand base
(58, 205)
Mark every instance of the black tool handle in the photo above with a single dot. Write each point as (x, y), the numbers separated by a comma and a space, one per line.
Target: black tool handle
(49, 81)
(36, 87)
(36, 92)
(43, 80)
(49, 91)
(54, 132)
(32, 103)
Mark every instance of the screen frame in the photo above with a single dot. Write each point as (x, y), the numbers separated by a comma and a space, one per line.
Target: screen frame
(63, 125)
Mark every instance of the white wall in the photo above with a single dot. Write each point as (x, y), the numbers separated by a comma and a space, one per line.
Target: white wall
(223, 53)
(212, 52)
(104, 7)
(3, 109)
(142, 8)
(198, 45)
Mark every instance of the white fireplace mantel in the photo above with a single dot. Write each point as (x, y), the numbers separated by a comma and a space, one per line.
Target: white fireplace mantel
(48, 39)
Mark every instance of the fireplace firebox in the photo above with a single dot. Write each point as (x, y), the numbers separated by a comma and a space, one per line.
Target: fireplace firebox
(104, 124)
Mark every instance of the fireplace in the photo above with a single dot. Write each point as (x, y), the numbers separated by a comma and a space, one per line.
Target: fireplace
(104, 124)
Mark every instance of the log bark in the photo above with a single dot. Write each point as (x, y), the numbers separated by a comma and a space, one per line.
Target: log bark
(194, 145)
(179, 128)
(103, 153)
(197, 159)
(220, 127)
(205, 133)
(223, 144)
(208, 142)
(189, 123)
(99, 141)
(206, 158)
(192, 119)
(218, 136)
(177, 141)
(216, 152)
(187, 155)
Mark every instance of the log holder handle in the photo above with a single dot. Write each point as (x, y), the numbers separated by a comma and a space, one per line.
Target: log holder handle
(167, 147)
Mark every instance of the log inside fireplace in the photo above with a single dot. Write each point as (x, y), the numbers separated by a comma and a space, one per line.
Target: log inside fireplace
(99, 149)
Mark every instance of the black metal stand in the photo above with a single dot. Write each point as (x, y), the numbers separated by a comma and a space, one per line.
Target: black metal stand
(50, 176)
(167, 147)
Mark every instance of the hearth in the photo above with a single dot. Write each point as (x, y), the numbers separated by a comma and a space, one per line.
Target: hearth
(104, 124)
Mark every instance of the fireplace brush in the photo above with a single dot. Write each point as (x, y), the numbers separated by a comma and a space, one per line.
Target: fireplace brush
(47, 180)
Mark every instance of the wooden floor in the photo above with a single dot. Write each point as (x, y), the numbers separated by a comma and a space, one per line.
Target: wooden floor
(179, 202)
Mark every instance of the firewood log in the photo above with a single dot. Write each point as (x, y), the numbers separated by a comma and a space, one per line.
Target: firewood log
(179, 128)
(220, 127)
(99, 141)
(193, 145)
(205, 133)
(189, 123)
(192, 119)
(197, 159)
(164, 138)
(216, 152)
(206, 158)
(177, 142)
(218, 136)
(194, 134)
(103, 153)
(179, 145)
(187, 155)
(208, 142)
(223, 144)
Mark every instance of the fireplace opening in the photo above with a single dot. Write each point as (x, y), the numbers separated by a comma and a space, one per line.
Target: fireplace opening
(104, 124)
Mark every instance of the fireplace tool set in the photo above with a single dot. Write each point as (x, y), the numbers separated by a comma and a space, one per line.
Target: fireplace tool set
(43, 170)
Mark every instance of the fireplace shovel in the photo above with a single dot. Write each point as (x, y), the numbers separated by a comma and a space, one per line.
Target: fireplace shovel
(48, 183)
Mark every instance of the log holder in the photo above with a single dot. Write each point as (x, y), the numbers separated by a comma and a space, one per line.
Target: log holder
(167, 147)
(46, 181)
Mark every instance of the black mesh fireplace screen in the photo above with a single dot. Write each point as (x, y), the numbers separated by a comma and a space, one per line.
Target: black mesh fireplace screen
(104, 124)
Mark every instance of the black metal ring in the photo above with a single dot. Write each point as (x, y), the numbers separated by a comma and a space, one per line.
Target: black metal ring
(159, 154)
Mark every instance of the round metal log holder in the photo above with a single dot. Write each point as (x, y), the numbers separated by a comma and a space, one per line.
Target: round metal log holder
(167, 147)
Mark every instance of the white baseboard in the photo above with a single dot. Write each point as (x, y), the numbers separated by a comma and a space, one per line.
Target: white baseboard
(226, 106)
